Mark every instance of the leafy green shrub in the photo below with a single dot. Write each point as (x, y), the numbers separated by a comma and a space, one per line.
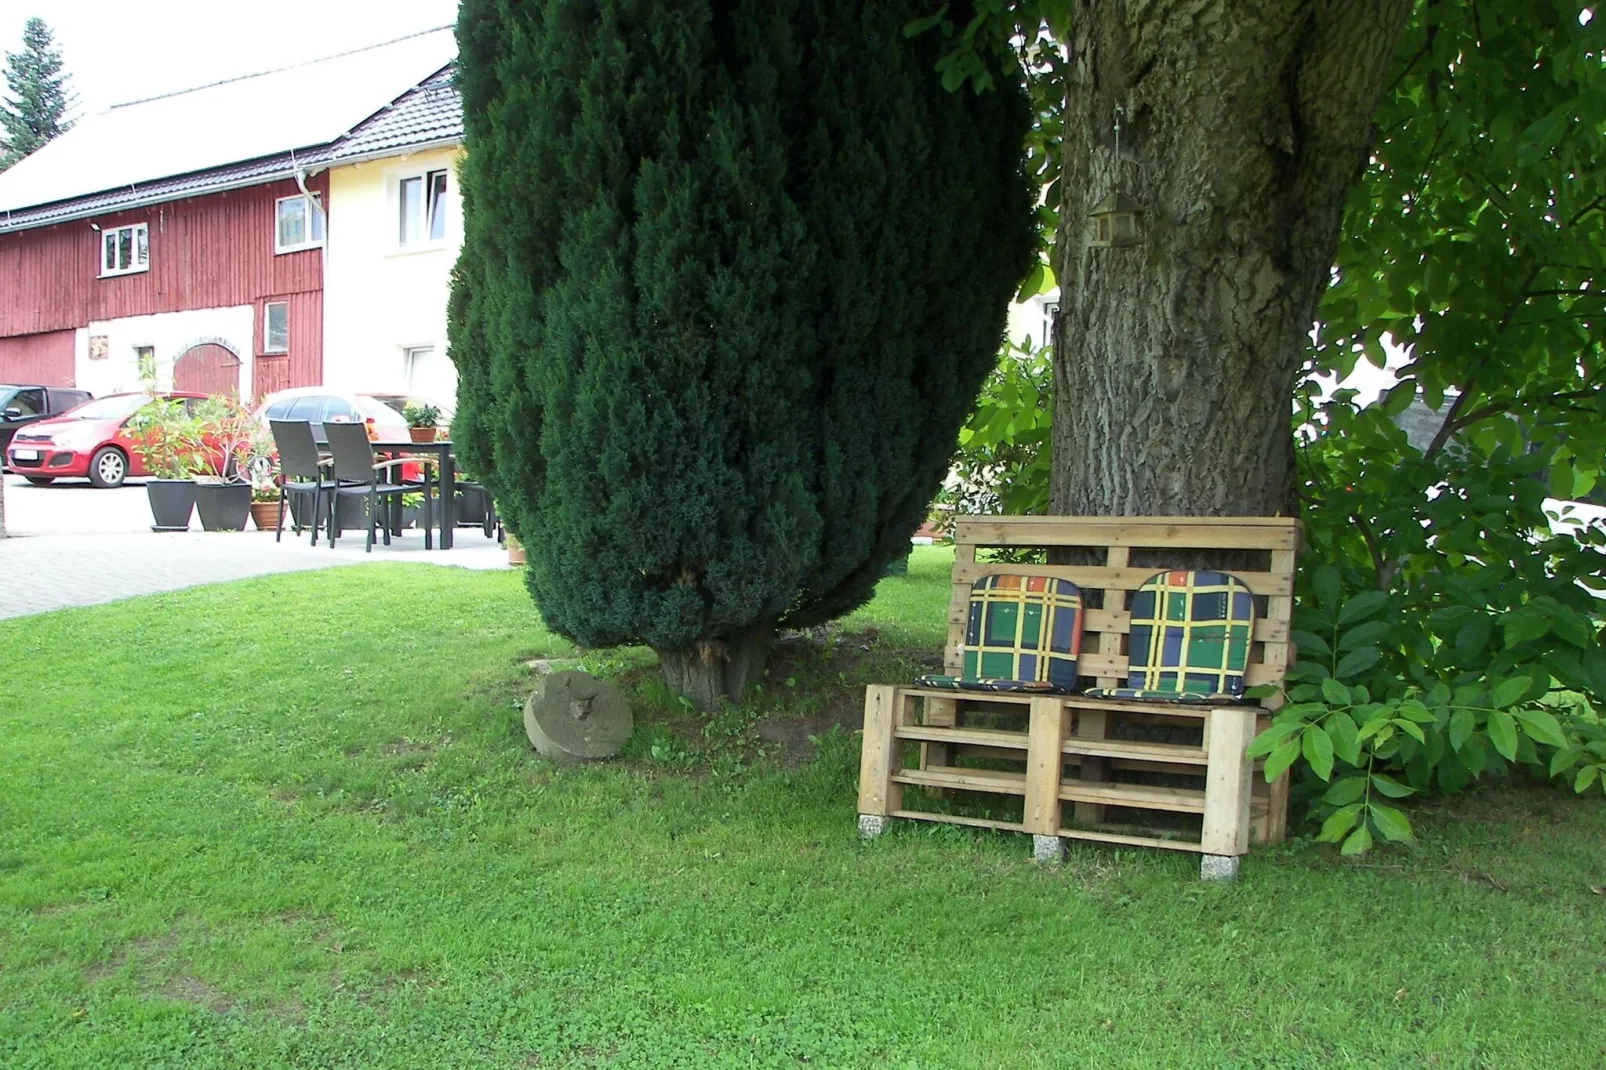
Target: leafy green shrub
(1445, 632)
(1002, 462)
(166, 436)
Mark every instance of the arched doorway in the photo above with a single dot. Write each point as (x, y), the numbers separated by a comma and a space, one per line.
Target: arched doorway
(208, 368)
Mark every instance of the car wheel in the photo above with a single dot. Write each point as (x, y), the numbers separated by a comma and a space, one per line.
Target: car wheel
(108, 467)
(40, 481)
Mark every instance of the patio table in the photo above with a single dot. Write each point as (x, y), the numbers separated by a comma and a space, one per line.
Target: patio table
(442, 452)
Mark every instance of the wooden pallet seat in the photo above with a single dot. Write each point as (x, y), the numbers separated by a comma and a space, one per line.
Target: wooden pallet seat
(1131, 733)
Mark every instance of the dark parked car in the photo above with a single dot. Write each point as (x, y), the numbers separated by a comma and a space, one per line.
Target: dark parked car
(24, 404)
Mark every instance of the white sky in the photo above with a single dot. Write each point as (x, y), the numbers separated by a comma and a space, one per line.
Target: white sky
(120, 50)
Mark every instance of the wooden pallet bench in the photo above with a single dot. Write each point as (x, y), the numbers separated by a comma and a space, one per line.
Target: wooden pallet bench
(1092, 768)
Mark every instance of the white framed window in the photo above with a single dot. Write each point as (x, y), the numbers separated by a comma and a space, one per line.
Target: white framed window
(276, 327)
(125, 250)
(415, 365)
(297, 224)
(421, 203)
(1051, 313)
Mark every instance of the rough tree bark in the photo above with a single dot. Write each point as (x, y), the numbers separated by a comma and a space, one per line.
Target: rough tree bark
(714, 671)
(1244, 126)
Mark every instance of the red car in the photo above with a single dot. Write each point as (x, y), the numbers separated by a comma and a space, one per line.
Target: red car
(88, 442)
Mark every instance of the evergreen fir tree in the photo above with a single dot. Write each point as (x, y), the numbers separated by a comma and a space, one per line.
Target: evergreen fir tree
(37, 99)
(733, 273)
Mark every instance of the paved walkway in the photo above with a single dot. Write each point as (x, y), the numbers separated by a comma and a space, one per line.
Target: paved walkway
(74, 545)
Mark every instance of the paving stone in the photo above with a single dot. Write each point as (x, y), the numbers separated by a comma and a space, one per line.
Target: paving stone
(80, 546)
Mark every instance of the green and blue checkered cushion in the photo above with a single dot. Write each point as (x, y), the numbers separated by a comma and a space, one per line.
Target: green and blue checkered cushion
(1190, 639)
(1024, 633)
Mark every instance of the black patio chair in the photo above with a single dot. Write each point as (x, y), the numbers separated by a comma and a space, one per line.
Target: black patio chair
(358, 471)
(469, 491)
(302, 470)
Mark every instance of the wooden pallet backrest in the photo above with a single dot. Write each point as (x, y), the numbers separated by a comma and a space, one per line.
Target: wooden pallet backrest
(1103, 662)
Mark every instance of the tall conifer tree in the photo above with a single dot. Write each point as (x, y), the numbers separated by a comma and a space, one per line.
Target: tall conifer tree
(732, 275)
(37, 97)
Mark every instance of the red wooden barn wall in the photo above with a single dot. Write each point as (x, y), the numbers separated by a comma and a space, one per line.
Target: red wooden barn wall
(303, 364)
(206, 252)
(37, 359)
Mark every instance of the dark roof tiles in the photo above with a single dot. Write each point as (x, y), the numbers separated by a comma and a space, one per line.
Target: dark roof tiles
(430, 113)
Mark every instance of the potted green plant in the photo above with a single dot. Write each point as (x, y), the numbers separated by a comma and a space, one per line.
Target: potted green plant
(167, 437)
(230, 438)
(261, 467)
(412, 509)
(422, 421)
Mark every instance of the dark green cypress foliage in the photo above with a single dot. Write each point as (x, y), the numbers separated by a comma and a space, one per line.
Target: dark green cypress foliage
(732, 276)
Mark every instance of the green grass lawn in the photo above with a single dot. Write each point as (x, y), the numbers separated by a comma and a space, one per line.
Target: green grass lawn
(295, 822)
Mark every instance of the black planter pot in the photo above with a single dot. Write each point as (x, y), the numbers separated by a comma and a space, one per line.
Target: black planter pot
(172, 501)
(223, 506)
(471, 505)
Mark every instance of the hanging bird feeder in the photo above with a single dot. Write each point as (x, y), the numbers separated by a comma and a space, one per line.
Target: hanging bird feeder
(1115, 221)
(1115, 218)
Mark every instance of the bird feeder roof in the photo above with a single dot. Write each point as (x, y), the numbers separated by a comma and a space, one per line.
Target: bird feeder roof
(1114, 203)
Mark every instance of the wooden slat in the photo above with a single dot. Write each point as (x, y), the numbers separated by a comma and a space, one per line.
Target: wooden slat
(1277, 809)
(1258, 672)
(1073, 761)
(1121, 579)
(1136, 750)
(1279, 652)
(1178, 712)
(1190, 533)
(1118, 621)
(1227, 787)
(1130, 841)
(938, 711)
(878, 753)
(1145, 796)
(958, 610)
(1044, 760)
(1182, 711)
(987, 737)
(955, 819)
(956, 779)
(975, 750)
(1104, 622)
(1104, 666)
(1113, 671)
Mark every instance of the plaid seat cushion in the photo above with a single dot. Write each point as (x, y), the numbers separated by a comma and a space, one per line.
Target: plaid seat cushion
(1024, 633)
(1190, 639)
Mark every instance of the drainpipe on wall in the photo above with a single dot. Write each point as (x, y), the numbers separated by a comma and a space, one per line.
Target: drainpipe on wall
(301, 177)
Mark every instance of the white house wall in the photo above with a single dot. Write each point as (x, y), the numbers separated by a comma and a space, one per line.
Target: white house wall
(382, 299)
(170, 334)
(1030, 319)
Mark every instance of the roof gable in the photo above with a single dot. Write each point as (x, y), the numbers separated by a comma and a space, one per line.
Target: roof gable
(248, 118)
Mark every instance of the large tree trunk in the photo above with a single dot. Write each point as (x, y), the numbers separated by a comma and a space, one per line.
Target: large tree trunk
(1244, 126)
(712, 672)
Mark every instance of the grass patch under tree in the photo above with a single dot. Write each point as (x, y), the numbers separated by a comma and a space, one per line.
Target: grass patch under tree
(295, 822)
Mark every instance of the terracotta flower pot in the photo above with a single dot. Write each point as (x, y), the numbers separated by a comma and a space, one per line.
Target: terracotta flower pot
(422, 434)
(515, 552)
(266, 515)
